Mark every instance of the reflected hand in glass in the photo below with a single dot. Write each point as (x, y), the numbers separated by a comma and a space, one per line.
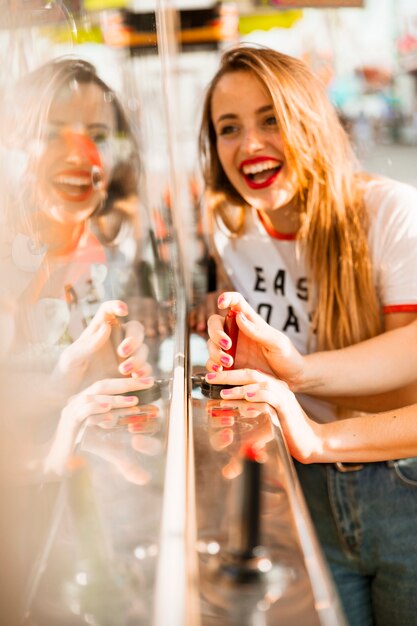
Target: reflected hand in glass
(105, 347)
(236, 426)
(95, 406)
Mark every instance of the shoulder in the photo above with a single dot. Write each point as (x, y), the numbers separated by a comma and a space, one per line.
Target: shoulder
(388, 192)
(391, 204)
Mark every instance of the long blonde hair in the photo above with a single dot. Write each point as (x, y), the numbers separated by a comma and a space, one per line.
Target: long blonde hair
(334, 222)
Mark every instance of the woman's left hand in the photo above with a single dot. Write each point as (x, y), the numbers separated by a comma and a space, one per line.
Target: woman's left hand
(301, 433)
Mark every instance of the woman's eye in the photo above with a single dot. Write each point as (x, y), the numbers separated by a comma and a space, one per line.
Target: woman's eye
(52, 132)
(227, 130)
(99, 137)
(271, 120)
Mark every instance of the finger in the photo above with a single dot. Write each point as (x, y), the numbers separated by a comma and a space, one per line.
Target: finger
(252, 393)
(114, 402)
(234, 393)
(151, 446)
(212, 366)
(232, 469)
(218, 356)
(222, 416)
(142, 371)
(135, 413)
(235, 300)
(134, 334)
(144, 424)
(215, 325)
(112, 386)
(105, 421)
(108, 312)
(236, 377)
(136, 362)
(221, 439)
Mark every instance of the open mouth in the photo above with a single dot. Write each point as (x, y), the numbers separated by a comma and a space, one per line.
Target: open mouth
(260, 173)
(73, 186)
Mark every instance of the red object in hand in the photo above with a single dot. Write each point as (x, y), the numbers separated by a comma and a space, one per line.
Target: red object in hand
(232, 330)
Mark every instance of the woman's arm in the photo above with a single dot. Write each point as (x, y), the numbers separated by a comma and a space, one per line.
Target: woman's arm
(369, 438)
(385, 365)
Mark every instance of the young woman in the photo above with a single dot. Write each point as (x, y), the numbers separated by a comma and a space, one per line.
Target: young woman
(326, 254)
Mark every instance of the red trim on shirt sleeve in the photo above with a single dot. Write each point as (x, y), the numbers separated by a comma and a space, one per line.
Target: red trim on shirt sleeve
(400, 308)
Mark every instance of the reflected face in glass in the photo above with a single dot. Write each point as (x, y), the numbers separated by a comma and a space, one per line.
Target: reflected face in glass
(249, 144)
(75, 157)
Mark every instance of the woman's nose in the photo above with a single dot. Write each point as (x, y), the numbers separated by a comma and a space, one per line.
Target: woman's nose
(252, 140)
(81, 149)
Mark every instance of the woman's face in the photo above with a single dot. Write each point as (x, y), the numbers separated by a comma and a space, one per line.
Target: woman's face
(74, 160)
(249, 144)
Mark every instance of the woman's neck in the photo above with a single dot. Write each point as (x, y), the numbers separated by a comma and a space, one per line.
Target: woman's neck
(61, 239)
(286, 219)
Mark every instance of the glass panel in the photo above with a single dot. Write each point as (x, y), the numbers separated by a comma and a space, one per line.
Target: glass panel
(92, 313)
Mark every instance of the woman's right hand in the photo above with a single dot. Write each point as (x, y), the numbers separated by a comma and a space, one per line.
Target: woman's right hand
(259, 345)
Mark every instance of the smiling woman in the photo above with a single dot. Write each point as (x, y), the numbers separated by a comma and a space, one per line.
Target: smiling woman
(325, 253)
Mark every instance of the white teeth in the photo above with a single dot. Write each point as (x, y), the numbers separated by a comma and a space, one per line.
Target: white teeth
(256, 168)
(72, 180)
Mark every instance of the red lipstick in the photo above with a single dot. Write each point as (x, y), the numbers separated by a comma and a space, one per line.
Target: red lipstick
(232, 330)
(275, 168)
(65, 185)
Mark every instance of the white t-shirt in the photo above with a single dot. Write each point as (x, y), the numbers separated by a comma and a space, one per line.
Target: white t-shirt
(270, 272)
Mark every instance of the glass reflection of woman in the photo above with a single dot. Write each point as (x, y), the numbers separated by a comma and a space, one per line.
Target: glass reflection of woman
(71, 190)
(75, 190)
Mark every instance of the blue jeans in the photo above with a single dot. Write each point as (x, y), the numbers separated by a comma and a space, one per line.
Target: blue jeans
(366, 522)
